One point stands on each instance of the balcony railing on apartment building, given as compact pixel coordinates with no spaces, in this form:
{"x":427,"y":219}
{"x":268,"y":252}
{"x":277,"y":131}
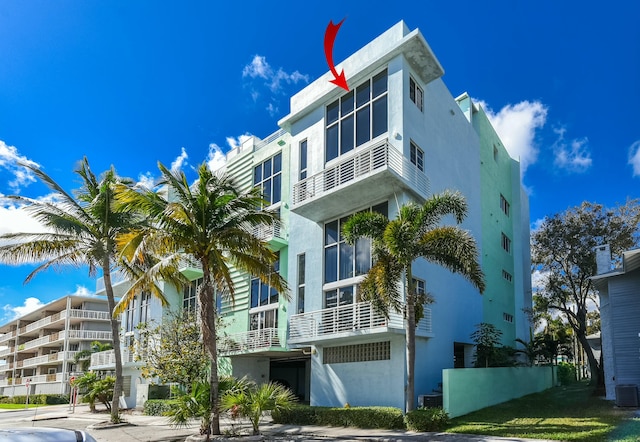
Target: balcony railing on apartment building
{"x":47,"y":359}
{"x":250,"y":341}
{"x":5,"y":337}
{"x":71,"y":334}
{"x":267,"y":233}
{"x":349,"y":320}
{"x":73,"y":313}
{"x":107,"y":359}
{"x":38,"y":379}
{"x":359,"y":164}
{"x":7,"y":351}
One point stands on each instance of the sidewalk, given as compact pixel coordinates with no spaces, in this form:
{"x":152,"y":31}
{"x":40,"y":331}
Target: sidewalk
{"x":157,"y":428}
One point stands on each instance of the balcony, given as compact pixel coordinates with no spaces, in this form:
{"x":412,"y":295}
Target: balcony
{"x":87,"y":314}
{"x":252,"y":341}
{"x":274,"y":234}
{"x":47,"y":359}
{"x":93,"y":335}
{"x":106,"y":360}
{"x":190,"y":268}
{"x":72,"y":314}
{"x":7,"y":336}
{"x":358,"y":177}
{"x":39,"y":379}
{"x":347,"y":321}
{"x":7,"y":351}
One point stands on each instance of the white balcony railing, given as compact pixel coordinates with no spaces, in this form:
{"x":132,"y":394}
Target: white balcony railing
{"x":39,"y":379}
{"x":360,"y":163}
{"x":88,"y":314}
{"x":7,"y":351}
{"x":93,"y":335}
{"x":349,"y":319}
{"x":5,"y":337}
{"x":47,"y":359}
{"x":266,"y":233}
{"x":107,"y":358}
{"x":252,"y":340}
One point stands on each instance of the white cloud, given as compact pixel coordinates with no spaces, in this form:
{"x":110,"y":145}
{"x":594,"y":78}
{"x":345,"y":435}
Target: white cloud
{"x":274,"y":78}
{"x":10,"y":160}
{"x":180,"y":160}
{"x":272,"y":109}
{"x":146,"y":180}
{"x":235,"y":142}
{"x":573,"y":156}
{"x":516,"y":126}
{"x":539,"y":279}
{"x":634,"y":158}
{"x":82,"y":291}
{"x":14,"y":219}
{"x":537,"y":224}
{"x":30,"y":304}
{"x":216,"y":159}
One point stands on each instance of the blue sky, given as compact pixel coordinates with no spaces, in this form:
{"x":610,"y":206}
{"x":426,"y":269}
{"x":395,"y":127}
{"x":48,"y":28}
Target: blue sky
{"x":130,"y":83}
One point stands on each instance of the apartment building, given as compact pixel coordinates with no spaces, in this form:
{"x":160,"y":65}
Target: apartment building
{"x":37,"y":350}
{"x":397,"y":136}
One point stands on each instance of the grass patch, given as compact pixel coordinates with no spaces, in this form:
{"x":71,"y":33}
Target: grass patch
{"x":17,"y":406}
{"x":569,"y":413}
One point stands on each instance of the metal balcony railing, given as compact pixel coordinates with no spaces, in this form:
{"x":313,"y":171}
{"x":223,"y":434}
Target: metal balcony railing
{"x":87,"y":314}
{"x":349,"y":319}
{"x":5,"y":337}
{"x":266,"y":233}
{"x":357,"y":164}
{"x":253,"y":340}
{"x":47,"y":359}
{"x":107,"y":358}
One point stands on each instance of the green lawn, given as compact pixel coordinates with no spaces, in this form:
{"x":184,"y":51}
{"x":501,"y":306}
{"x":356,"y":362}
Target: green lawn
{"x":569,"y":413}
{"x":17,"y":406}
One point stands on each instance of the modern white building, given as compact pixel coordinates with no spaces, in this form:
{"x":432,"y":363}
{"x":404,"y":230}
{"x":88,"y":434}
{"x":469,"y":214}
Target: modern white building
{"x":398,"y":135}
{"x":37,"y":350}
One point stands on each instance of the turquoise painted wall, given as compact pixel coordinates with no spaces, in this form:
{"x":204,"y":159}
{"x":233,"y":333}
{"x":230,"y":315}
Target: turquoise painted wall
{"x":469,"y":389}
{"x":496,"y":178}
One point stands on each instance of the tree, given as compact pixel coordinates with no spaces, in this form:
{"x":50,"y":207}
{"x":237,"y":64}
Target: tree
{"x":173,"y":350}
{"x":253,"y":400}
{"x":563,"y":250}
{"x":415,"y":233}
{"x":95,"y":389}
{"x":211,"y":223}
{"x":84,"y":356}
{"x":489,"y":349}
{"x":77,"y":231}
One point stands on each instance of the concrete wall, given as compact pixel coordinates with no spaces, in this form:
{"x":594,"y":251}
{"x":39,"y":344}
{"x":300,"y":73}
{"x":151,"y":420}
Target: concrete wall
{"x":469,"y":389}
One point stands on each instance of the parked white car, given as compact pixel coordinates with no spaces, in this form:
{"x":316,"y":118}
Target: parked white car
{"x":42,"y":434}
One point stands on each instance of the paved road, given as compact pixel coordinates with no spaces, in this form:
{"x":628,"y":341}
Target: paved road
{"x":156,"y":429}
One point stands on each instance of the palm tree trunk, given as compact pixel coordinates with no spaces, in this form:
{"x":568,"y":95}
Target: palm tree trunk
{"x":411,"y":342}
{"x":209,"y":338}
{"x":115,"y":333}
{"x":594,"y":368}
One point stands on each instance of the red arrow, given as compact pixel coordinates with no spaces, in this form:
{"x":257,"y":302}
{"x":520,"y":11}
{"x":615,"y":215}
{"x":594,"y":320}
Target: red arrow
{"x":329,"y":39}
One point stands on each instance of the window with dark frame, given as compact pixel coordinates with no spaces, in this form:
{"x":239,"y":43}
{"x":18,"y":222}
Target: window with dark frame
{"x":416,"y":93}
{"x":263,"y":294}
{"x":303,"y":159}
{"x":416,"y":155}
{"x":506,"y":243}
{"x":301,"y":282}
{"x":504,"y":205}
{"x":356,"y":117}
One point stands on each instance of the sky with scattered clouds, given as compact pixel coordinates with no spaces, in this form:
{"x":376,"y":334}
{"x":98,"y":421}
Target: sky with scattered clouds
{"x":137,"y":83}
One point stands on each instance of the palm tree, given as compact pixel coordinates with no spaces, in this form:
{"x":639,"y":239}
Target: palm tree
{"x":415,"y":233}
{"x":78,"y":230}
{"x":85,"y":355}
{"x":212,"y":223}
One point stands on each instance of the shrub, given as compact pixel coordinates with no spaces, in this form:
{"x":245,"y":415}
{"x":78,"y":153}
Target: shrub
{"x":359,"y":417}
{"x":37,"y":399}
{"x":159,"y":392}
{"x":159,"y":407}
{"x":426,"y":419}
{"x":566,"y":373}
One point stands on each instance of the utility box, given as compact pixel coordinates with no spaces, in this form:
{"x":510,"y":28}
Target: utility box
{"x":627,"y":395}
{"x":430,"y":400}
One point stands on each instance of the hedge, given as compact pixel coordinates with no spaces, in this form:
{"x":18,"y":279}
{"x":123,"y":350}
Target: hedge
{"x":359,"y":417}
{"x":426,"y":419}
{"x":37,"y":399}
{"x":158,"y":407}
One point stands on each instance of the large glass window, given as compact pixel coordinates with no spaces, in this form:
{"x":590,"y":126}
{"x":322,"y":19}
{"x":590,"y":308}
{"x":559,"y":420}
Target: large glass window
{"x":145,"y":304}
{"x":301,"y":282}
{"x":263,"y":294}
{"x":263,"y":319}
{"x":356,"y":117}
{"x":267,"y":176}
{"x":303,"y":159}
{"x":190,"y":295}
{"x":344,"y":261}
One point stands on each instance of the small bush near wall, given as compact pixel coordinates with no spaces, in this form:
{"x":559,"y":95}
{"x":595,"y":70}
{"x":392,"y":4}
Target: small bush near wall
{"x":359,"y":417}
{"x":566,"y":373}
{"x":426,"y":419}
{"x":37,"y":399}
{"x":158,"y":407}
{"x":159,"y":392}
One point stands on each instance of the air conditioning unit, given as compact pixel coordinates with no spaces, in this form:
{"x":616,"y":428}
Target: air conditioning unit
{"x":627,"y":395}
{"x":430,"y":400}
